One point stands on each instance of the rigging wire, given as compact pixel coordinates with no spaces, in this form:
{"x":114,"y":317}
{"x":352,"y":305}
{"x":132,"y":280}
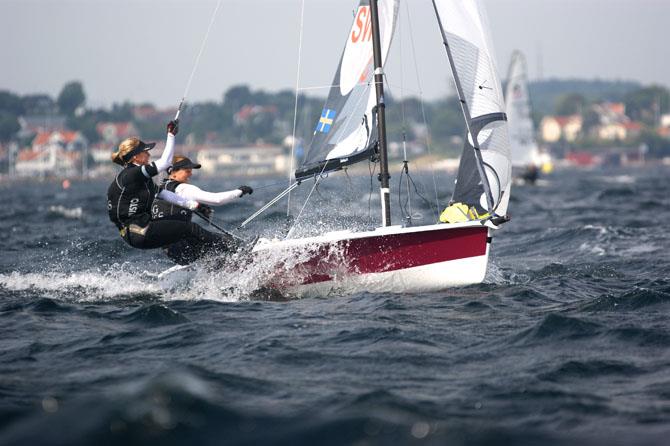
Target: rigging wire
{"x":295,"y":107}
{"x":297,"y":219}
{"x":266,"y":186}
{"x":405,"y":209}
{"x":423,"y":109}
{"x":197,"y":59}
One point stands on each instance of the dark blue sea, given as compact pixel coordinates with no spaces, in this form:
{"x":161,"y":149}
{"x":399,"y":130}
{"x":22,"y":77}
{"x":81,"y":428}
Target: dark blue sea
{"x":567,"y":341}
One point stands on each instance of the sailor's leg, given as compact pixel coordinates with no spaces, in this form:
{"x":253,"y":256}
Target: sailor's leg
{"x":190,"y":240}
{"x":165,"y":232}
{"x":218,"y":239}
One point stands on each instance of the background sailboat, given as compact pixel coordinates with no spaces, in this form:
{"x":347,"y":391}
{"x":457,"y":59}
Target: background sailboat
{"x":527,"y":159}
{"x":351,"y":129}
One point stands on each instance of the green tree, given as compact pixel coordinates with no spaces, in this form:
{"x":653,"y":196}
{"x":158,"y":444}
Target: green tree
{"x":591,"y":119}
{"x":11,"y":103}
{"x":570,"y":104}
{"x":236,"y":97}
{"x":71,"y":97}
{"x":647,"y":104}
{"x":9,"y":125}
{"x":38,"y":104}
{"x":86,"y":124}
{"x":658,"y":146}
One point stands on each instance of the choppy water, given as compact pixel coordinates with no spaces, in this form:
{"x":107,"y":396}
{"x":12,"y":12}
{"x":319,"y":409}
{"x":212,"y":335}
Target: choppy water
{"x":567,"y":341}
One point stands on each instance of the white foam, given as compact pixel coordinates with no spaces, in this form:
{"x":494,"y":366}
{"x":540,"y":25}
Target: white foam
{"x":592,"y":249}
{"x":602,"y":230}
{"x":620,"y":179}
{"x":82,"y":285}
{"x":73,"y":213}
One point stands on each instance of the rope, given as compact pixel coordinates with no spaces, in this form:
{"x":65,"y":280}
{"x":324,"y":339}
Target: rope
{"x":406,"y":207}
{"x":197,"y":59}
{"x":423,"y":109}
{"x":295,"y":107}
{"x":297,"y":219}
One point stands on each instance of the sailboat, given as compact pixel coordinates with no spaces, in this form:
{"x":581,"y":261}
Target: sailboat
{"x":527,"y":160}
{"x":352,"y":128}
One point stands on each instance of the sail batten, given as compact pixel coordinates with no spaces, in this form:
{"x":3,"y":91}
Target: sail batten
{"x":345,"y":132}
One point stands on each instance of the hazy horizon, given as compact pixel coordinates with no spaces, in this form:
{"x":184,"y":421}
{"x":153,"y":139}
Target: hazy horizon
{"x":143,"y":51}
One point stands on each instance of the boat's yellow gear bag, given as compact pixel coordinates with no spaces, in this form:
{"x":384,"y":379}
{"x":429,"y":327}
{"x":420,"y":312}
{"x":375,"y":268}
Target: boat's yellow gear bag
{"x":459,"y":212}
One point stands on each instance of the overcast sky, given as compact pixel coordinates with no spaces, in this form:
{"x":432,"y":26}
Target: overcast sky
{"x":144,"y":50}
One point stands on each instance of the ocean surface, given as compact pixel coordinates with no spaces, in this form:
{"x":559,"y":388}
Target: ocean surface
{"x":566,"y":342}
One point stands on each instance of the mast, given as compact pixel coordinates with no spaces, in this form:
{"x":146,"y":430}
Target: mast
{"x":381,"y":116}
{"x":468,"y":117}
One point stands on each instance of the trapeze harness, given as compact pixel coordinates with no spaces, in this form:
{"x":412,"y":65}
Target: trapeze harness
{"x":163,"y":209}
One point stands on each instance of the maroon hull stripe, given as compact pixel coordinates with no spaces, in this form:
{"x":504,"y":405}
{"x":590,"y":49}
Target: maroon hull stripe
{"x":383,"y":253}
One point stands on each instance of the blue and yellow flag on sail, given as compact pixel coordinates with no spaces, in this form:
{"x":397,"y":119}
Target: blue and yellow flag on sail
{"x":326,"y":121}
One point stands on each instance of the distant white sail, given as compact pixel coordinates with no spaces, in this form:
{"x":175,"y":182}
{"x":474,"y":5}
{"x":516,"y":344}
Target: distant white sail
{"x":521,"y":130}
{"x":465,"y":28}
{"x":345,"y":131}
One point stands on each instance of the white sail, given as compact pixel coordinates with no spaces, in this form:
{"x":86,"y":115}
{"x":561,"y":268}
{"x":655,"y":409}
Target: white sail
{"x":521,"y":130}
{"x":465,"y":28}
{"x":345,"y":130}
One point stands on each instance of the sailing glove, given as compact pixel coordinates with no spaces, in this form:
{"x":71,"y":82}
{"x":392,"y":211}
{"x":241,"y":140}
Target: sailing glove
{"x":173,"y":127}
{"x":205,"y":210}
{"x":246,"y":190}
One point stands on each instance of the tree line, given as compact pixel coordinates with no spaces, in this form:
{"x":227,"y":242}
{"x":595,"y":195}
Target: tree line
{"x":243,"y":115}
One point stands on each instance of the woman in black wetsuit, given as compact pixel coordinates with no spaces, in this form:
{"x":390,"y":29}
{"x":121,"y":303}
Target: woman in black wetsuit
{"x":131,"y":194}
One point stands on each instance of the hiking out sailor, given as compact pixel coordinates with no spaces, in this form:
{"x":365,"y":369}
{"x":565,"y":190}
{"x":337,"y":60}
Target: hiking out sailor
{"x":131,"y":194}
{"x":186,"y":251}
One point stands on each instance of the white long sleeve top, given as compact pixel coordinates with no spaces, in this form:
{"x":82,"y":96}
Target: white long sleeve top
{"x":165,"y":160}
{"x":191,"y":192}
{"x":177,"y":199}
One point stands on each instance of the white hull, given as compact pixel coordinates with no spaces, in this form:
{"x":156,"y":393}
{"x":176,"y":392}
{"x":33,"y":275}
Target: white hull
{"x":336,"y":263}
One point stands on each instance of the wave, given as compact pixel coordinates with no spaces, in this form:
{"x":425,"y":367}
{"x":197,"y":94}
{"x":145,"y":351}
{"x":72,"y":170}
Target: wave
{"x":618,"y":192}
{"x":191,"y":407}
{"x":640,"y":297}
{"x":590,"y":369}
{"x":557,"y":327}
{"x":156,"y":315}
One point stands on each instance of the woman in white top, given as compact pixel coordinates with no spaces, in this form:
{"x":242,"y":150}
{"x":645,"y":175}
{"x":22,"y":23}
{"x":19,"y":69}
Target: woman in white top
{"x":180,"y":173}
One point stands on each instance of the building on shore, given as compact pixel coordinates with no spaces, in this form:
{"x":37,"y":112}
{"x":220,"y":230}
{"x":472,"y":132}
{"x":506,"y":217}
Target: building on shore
{"x":557,"y":128}
{"x":244,"y":161}
{"x":57,"y":153}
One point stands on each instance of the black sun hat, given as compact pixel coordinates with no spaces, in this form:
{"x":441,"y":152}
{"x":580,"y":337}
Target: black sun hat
{"x":185,"y":163}
{"x":141,"y":147}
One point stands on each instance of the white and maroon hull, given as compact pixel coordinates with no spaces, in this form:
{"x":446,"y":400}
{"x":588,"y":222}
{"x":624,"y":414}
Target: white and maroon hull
{"x":393,"y":259}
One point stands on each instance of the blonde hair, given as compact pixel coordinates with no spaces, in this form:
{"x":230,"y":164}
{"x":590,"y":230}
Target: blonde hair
{"x":175,"y":160}
{"x":125,"y":147}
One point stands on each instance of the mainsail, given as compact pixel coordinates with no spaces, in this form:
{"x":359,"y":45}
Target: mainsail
{"x":521,"y":132}
{"x":465,"y":32}
{"x":346,"y":132}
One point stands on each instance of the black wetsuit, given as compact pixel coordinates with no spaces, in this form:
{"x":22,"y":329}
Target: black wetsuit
{"x":162,"y":209}
{"x":187,"y":250}
{"x":129,"y":201}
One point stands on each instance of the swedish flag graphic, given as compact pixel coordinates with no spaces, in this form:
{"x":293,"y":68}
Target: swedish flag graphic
{"x":326,"y":121}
